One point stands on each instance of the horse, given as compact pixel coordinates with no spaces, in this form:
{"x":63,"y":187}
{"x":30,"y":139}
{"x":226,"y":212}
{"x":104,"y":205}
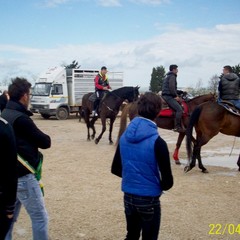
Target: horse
{"x":108,"y":108}
{"x":167,"y":121}
{"x":209,"y":119}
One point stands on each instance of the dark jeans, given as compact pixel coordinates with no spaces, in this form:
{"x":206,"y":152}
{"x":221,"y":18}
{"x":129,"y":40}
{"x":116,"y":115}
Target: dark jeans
{"x":172,"y":103}
{"x":143,"y":214}
{"x":99,"y":96}
{"x":5,"y":223}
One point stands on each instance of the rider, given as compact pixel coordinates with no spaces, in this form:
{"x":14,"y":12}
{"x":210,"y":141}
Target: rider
{"x":170,"y":95}
{"x":101,"y":87}
{"x":229,"y":86}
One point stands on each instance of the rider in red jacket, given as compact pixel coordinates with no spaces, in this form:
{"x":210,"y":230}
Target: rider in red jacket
{"x":101,"y":87}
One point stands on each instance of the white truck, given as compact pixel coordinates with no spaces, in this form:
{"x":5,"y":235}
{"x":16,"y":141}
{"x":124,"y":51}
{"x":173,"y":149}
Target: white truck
{"x":59,"y":91}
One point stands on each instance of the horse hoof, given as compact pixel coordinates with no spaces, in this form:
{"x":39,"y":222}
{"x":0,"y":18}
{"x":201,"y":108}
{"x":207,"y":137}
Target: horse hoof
{"x":88,"y":139}
{"x":205,"y":171}
{"x":92,"y":137}
{"x":177,"y":162}
{"x":110,"y":142}
{"x":96,"y":141}
{"x":187,"y":169}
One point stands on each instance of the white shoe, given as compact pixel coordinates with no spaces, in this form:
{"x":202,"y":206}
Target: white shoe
{"x":94,"y":114}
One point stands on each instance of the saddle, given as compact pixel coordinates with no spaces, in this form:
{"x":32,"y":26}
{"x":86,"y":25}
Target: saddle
{"x":230,"y":107}
{"x":166,"y":111}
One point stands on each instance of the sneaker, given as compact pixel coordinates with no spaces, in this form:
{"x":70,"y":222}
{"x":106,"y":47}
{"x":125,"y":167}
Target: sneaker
{"x":94,"y":114}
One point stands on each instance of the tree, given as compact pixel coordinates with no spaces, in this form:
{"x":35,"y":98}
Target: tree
{"x":236,"y":69}
{"x":199,"y":89}
{"x":157,"y":78}
{"x":213,"y":83}
{"x":74,"y":64}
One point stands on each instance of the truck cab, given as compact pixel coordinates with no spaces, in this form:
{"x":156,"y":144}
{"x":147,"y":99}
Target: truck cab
{"x":49,"y":94}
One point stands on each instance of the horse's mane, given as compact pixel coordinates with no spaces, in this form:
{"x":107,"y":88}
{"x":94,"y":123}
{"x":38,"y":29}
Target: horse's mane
{"x":201,"y":96}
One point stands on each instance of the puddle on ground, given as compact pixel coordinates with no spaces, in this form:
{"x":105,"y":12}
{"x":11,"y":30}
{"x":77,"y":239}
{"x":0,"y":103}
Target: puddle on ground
{"x":219,"y":161}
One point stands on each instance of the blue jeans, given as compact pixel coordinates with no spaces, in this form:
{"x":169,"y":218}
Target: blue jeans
{"x":143,"y":214}
{"x":30,"y":196}
{"x":236,"y":102}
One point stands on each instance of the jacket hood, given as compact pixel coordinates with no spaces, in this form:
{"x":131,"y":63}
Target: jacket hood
{"x":18,"y":106}
{"x":171,"y":73}
{"x":231,"y":76}
{"x":140,"y":129}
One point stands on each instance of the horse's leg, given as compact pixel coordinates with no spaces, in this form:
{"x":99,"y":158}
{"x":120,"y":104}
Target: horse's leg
{"x":238,"y":163}
{"x":110,"y":130}
{"x":192,"y":162}
{"x":86,"y":118}
{"x":200,"y":165}
{"x":103,"y":130}
{"x":92,"y":126}
{"x":178,"y":145}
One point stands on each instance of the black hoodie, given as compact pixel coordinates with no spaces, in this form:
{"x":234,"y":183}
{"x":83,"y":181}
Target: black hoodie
{"x":229,"y":87}
{"x":28,"y":137}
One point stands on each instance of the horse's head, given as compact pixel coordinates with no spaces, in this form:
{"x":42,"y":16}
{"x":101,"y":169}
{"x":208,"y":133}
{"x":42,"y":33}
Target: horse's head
{"x":133,"y":94}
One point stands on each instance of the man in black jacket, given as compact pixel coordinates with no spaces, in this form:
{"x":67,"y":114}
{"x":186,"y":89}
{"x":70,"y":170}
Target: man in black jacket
{"x":8,"y":176}
{"x":169,"y":93}
{"x":29,"y":138}
{"x":229,"y":86}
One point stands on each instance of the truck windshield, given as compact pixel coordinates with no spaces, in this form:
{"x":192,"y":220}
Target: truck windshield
{"x":41,"y":89}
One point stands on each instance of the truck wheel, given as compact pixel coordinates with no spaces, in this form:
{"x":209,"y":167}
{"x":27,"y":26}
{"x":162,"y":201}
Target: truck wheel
{"x":62,"y":113}
{"x":45,"y":116}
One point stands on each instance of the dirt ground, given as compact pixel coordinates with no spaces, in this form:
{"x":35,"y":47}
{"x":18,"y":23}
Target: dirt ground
{"x":84,"y":200}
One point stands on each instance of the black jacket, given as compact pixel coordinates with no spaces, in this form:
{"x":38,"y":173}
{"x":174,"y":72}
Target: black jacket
{"x":229,"y":87}
{"x":8,"y":164}
{"x":170,"y":85}
{"x":28,"y":137}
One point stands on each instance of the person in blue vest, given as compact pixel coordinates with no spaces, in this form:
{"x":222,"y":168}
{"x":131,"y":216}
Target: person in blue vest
{"x":142,"y":160}
{"x":8,"y":176}
{"x":229,"y":87}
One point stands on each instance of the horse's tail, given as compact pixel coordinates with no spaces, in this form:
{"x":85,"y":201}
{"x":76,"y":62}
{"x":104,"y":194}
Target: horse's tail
{"x":193,"y":120}
{"x":123,"y":121}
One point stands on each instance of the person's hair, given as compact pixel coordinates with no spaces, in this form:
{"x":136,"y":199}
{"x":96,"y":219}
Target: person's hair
{"x":173,"y":66}
{"x":103,"y":68}
{"x":228,"y":68}
{"x":149,"y":105}
{"x":18,"y":88}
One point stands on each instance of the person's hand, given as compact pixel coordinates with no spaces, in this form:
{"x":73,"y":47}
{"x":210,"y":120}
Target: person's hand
{"x":9,"y":216}
{"x":178,"y":99}
{"x":105,"y":88}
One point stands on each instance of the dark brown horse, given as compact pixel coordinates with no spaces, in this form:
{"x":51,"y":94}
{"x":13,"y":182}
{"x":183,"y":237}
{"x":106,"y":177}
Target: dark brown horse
{"x":108,"y":108}
{"x":166,"y":122}
{"x":209,"y":119}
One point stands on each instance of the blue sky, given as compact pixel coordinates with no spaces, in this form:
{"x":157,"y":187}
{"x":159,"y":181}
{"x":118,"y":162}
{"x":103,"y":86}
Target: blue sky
{"x":132,"y":36}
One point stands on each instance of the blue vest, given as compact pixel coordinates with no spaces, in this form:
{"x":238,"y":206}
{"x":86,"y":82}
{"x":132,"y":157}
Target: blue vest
{"x":140,"y":172}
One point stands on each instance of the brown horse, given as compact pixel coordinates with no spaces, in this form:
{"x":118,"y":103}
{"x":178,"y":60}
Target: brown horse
{"x":209,"y":119}
{"x":166,"y":122}
{"x":108,"y":108}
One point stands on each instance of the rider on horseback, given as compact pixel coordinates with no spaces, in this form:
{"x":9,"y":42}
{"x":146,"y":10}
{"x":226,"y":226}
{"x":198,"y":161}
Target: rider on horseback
{"x":101,"y":87}
{"x":170,"y":95}
{"x":229,"y":87}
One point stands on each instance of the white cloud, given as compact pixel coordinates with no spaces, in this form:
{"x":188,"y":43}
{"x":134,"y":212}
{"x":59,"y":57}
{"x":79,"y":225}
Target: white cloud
{"x":109,"y":3}
{"x":151,"y":2}
{"x":54,"y":3}
{"x":199,"y":53}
